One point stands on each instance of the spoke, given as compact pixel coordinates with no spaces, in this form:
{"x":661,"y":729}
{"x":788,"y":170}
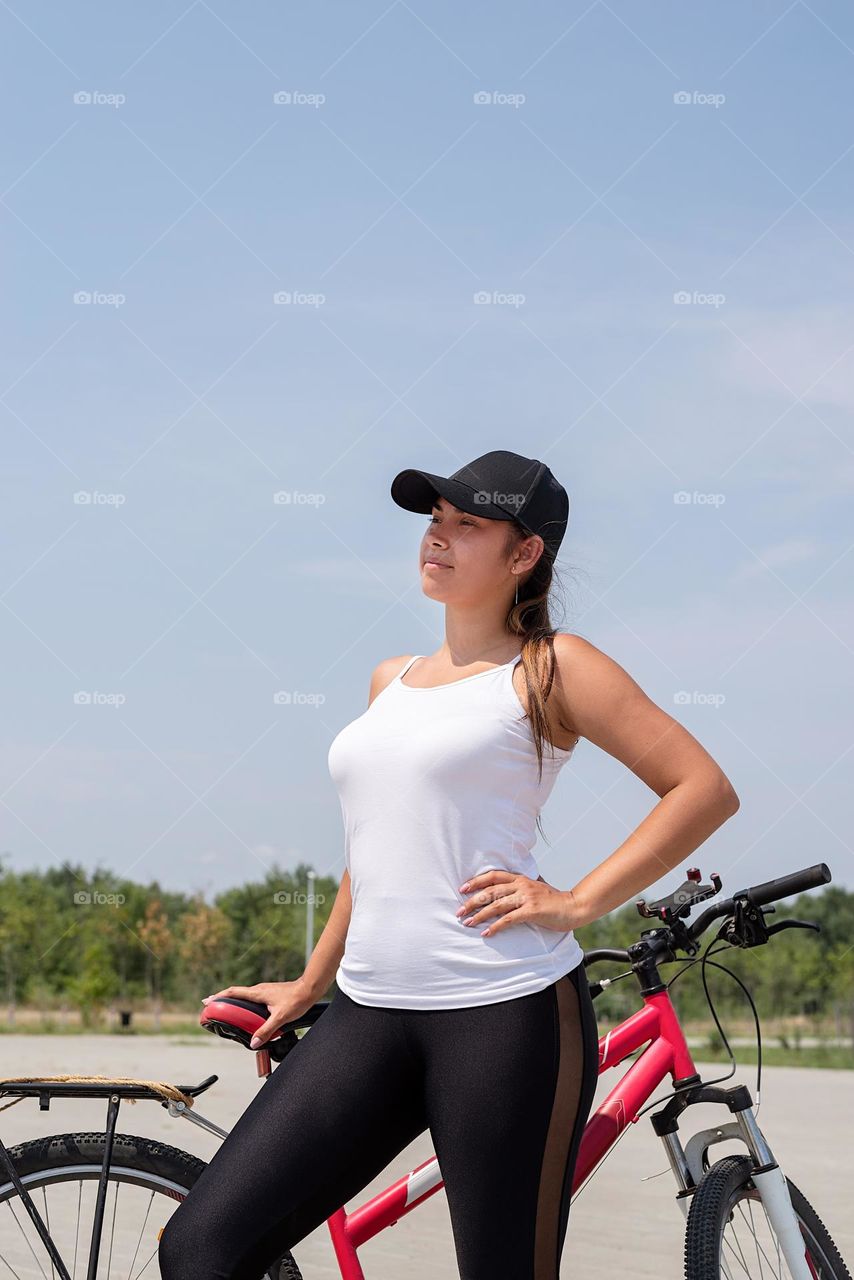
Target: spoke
{"x":7,"y":1263}
{"x":133,"y":1250}
{"x":27,"y":1241}
{"x":47,"y":1223}
{"x":145,"y":1268}
{"x":773,"y":1233}
{"x":77,"y":1229}
{"x":113,"y":1231}
{"x":755,"y":1239}
{"x":752,"y":1229}
{"x":725,"y":1271}
{"x":740,"y":1259}
{"x":738,"y":1242}
{"x":139,"y":1240}
{"x":750,"y":1201}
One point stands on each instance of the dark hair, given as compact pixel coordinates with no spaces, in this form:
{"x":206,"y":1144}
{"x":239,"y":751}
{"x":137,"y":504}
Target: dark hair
{"x":531,"y":619}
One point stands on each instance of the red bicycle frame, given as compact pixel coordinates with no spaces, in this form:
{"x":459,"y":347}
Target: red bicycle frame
{"x":666,"y":1053}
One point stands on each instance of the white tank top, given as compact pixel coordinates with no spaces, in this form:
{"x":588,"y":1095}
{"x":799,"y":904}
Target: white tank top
{"x":437,"y":785}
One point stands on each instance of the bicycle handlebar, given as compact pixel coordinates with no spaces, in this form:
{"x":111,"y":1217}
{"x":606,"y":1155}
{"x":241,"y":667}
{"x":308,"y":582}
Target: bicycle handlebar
{"x":759,"y":895}
{"x":786,"y":886}
{"x":605,"y":953}
{"x":762,"y":894}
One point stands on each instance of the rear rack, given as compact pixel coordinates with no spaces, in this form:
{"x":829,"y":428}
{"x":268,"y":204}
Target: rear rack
{"x":45,"y":1088}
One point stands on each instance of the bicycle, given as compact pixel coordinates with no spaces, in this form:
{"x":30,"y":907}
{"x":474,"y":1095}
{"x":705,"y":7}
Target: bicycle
{"x":717,"y":1199}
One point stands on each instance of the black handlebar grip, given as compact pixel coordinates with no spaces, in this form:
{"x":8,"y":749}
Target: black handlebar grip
{"x":785,"y":886}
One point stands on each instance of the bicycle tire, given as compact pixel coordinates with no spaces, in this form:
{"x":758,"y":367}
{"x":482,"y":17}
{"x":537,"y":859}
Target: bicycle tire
{"x":143,"y":1161}
{"x":726,"y":1184}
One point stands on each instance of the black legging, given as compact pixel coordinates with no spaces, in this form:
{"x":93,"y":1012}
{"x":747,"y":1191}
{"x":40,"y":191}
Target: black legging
{"x":505,"y":1090}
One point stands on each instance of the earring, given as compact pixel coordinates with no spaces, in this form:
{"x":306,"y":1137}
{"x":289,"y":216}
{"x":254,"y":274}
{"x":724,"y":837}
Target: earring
{"x":517,"y":589}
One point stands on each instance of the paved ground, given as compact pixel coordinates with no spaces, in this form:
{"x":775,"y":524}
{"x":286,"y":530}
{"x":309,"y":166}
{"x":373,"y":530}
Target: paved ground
{"x":625,"y":1221}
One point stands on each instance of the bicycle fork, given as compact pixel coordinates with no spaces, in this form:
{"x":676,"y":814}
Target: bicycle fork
{"x":689,"y":1163}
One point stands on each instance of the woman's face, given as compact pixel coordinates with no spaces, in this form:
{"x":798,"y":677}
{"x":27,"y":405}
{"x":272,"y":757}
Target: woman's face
{"x":464,"y":558}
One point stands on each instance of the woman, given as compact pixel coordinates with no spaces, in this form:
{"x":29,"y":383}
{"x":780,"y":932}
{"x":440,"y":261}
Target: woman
{"x":462,"y":1003}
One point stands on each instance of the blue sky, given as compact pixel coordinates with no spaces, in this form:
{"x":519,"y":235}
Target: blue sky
{"x":243,"y":257}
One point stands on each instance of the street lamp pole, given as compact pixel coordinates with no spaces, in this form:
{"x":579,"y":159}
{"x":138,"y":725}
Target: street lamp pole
{"x":309,"y":917}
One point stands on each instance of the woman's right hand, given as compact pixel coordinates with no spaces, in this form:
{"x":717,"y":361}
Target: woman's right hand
{"x":285,"y":1001}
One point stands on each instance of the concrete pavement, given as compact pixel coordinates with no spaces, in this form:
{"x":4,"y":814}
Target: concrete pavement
{"x":624,"y":1222}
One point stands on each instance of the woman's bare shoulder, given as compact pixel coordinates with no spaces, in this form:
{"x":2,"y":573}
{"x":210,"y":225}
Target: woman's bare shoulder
{"x":384,"y":672}
{"x":606,"y":705}
{"x":584,"y":675}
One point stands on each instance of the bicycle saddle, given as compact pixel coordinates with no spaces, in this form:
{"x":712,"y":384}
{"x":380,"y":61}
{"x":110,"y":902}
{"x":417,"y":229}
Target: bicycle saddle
{"x":238,"y":1020}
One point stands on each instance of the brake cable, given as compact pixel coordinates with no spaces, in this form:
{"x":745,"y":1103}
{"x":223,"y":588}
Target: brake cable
{"x":703,"y":961}
{"x":746,"y":928}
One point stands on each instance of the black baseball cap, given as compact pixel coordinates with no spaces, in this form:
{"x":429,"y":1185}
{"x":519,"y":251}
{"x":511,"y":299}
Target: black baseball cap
{"x":500,"y":486}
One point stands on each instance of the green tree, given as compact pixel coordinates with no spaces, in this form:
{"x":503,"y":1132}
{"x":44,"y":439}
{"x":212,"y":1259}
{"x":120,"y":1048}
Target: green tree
{"x":156,"y":936}
{"x":206,"y":934}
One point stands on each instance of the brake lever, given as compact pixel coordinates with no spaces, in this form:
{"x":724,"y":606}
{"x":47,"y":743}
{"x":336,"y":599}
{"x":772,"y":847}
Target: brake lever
{"x":747,"y":927}
{"x":793,"y":924}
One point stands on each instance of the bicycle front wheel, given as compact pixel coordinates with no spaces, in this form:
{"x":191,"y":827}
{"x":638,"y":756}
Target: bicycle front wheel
{"x":729,"y":1236}
{"x":147,"y":1179}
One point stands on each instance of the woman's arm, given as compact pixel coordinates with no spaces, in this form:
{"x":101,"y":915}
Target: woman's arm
{"x":601,"y":702}
{"x":325,"y":958}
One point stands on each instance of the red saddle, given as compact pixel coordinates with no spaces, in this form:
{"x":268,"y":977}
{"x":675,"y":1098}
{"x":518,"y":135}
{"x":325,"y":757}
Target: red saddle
{"x":238,"y":1020}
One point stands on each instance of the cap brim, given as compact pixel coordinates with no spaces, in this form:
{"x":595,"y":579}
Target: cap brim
{"x":417,"y":490}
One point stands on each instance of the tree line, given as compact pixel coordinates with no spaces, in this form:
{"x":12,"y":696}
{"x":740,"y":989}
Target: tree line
{"x":92,"y":940}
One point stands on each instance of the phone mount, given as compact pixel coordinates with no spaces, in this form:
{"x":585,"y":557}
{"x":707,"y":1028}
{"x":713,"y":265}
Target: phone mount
{"x":678,"y":905}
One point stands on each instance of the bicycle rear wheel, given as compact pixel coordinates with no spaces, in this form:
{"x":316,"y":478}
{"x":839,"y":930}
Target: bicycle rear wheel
{"x":729,"y":1236}
{"x":147,"y":1180}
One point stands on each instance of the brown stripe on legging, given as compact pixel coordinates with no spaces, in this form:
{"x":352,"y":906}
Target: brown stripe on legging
{"x":559,"y":1137}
